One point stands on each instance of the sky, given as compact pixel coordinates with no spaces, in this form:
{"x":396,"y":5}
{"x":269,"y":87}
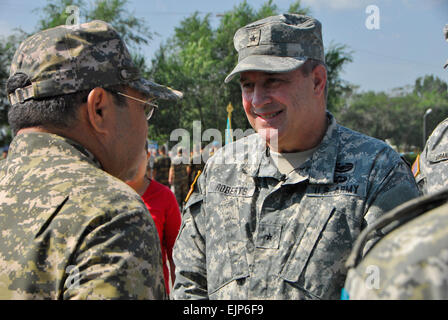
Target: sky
{"x":393,"y":42}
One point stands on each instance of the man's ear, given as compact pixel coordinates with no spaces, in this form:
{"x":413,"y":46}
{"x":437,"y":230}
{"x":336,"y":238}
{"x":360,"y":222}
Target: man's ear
{"x":320,"y":79}
{"x":99,"y":105}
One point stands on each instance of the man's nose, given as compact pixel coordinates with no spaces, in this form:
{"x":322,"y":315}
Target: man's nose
{"x":260,"y":97}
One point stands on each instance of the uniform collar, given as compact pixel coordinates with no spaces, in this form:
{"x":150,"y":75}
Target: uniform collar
{"x":41,"y":143}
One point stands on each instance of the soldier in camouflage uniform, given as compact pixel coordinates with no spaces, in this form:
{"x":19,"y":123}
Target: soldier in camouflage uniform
{"x":275,"y":214}
{"x":161,"y":169}
{"x":431,"y":167}
{"x":71,"y":228}
{"x":196,"y":164}
{"x":178,"y":176}
{"x":411,"y":261}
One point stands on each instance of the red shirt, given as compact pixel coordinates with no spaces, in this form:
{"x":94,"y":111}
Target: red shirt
{"x":164,"y":210}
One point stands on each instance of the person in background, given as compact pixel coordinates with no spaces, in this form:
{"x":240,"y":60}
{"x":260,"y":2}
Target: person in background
{"x":162,"y":206}
{"x":161,"y":168}
{"x":178,"y":176}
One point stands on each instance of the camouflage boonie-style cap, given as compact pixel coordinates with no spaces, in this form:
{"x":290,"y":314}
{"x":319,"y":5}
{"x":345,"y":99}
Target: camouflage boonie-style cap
{"x":445,"y":32}
{"x":71,"y":58}
{"x":278,"y":44}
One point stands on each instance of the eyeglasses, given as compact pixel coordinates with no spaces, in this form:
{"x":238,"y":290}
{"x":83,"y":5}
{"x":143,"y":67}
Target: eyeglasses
{"x":149,"y":106}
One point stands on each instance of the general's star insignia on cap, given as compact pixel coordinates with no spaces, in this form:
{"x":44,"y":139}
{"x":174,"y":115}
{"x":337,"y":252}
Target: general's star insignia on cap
{"x":254,"y":38}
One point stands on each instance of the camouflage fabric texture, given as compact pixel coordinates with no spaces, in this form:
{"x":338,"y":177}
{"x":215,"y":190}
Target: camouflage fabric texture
{"x":249,"y":232}
{"x":278,"y":44}
{"x":411,"y":261}
{"x":162,"y":166}
{"x":70,"y":230}
{"x":433,"y":161}
{"x":68,"y":59}
{"x":180,"y":179}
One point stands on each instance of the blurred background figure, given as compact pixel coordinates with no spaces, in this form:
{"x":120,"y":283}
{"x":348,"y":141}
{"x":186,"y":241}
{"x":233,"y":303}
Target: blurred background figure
{"x":161,"y":167}
{"x":178,"y":176}
{"x":162,"y":206}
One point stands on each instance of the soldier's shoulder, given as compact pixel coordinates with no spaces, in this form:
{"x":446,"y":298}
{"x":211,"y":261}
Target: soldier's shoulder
{"x":411,"y":231}
{"x":409,"y":261}
{"x":351,"y":139}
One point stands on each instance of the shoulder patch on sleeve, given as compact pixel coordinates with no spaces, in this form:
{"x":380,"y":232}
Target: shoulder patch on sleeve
{"x":416,"y":166}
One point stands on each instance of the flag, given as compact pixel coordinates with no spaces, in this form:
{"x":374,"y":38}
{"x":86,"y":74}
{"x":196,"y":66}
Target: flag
{"x":229,"y":133}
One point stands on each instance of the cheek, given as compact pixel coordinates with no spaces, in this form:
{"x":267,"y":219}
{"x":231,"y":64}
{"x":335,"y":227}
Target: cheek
{"x":247,"y":106}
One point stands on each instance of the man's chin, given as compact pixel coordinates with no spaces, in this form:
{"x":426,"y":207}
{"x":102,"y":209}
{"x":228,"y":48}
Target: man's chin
{"x":270,"y":135}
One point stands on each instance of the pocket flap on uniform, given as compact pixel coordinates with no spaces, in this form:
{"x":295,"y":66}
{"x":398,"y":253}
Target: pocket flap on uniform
{"x":304,"y":245}
{"x":438,"y":157}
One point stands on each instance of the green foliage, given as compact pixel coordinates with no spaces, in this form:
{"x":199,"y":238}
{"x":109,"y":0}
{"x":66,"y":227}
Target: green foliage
{"x":398,"y":118}
{"x":133,"y":30}
{"x":336,"y":57}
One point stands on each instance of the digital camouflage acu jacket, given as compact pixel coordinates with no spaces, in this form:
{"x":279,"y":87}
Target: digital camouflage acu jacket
{"x":411,"y":260}
{"x":249,"y":232}
{"x":70,"y":230}
{"x":432,"y":172}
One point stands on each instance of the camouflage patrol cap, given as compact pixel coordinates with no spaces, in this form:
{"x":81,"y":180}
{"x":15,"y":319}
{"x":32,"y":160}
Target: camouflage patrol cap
{"x":278,"y":44}
{"x":71,"y":58}
{"x":445,"y":31}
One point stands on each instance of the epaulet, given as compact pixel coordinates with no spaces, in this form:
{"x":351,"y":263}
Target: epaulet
{"x":394,"y":219}
{"x":192,"y":186}
{"x":416,"y":166}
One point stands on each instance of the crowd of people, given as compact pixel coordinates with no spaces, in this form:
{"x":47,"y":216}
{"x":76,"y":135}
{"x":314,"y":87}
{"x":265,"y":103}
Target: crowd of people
{"x":301,"y":211}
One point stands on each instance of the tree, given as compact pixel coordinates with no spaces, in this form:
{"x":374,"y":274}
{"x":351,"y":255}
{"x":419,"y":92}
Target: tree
{"x":336,"y":57}
{"x":398,"y":118}
{"x":133,"y":30}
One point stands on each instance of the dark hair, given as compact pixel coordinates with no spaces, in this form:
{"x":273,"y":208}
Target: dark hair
{"x":58,"y":111}
{"x":309,"y":66}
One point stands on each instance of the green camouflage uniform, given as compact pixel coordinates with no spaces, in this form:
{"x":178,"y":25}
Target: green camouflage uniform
{"x":411,"y":261}
{"x":432,"y":175}
{"x":162,"y":164}
{"x":249,"y":232}
{"x":69,"y":229}
{"x":60,"y":214}
{"x":180,"y":179}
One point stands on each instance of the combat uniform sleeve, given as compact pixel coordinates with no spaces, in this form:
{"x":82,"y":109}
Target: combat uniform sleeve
{"x":392,"y":184}
{"x":189,"y":252}
{"x":118,"y":258}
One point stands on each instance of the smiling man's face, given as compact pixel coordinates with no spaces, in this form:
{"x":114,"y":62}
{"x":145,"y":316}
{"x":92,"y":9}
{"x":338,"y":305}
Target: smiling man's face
{"x":284,"y":106}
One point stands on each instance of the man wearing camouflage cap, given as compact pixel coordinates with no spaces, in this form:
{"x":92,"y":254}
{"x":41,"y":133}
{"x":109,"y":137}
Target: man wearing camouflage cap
{"x":431,"y":167}
{"x":71,"y":229}
{"x":411,"y":260}
{"x":275,"y":214}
